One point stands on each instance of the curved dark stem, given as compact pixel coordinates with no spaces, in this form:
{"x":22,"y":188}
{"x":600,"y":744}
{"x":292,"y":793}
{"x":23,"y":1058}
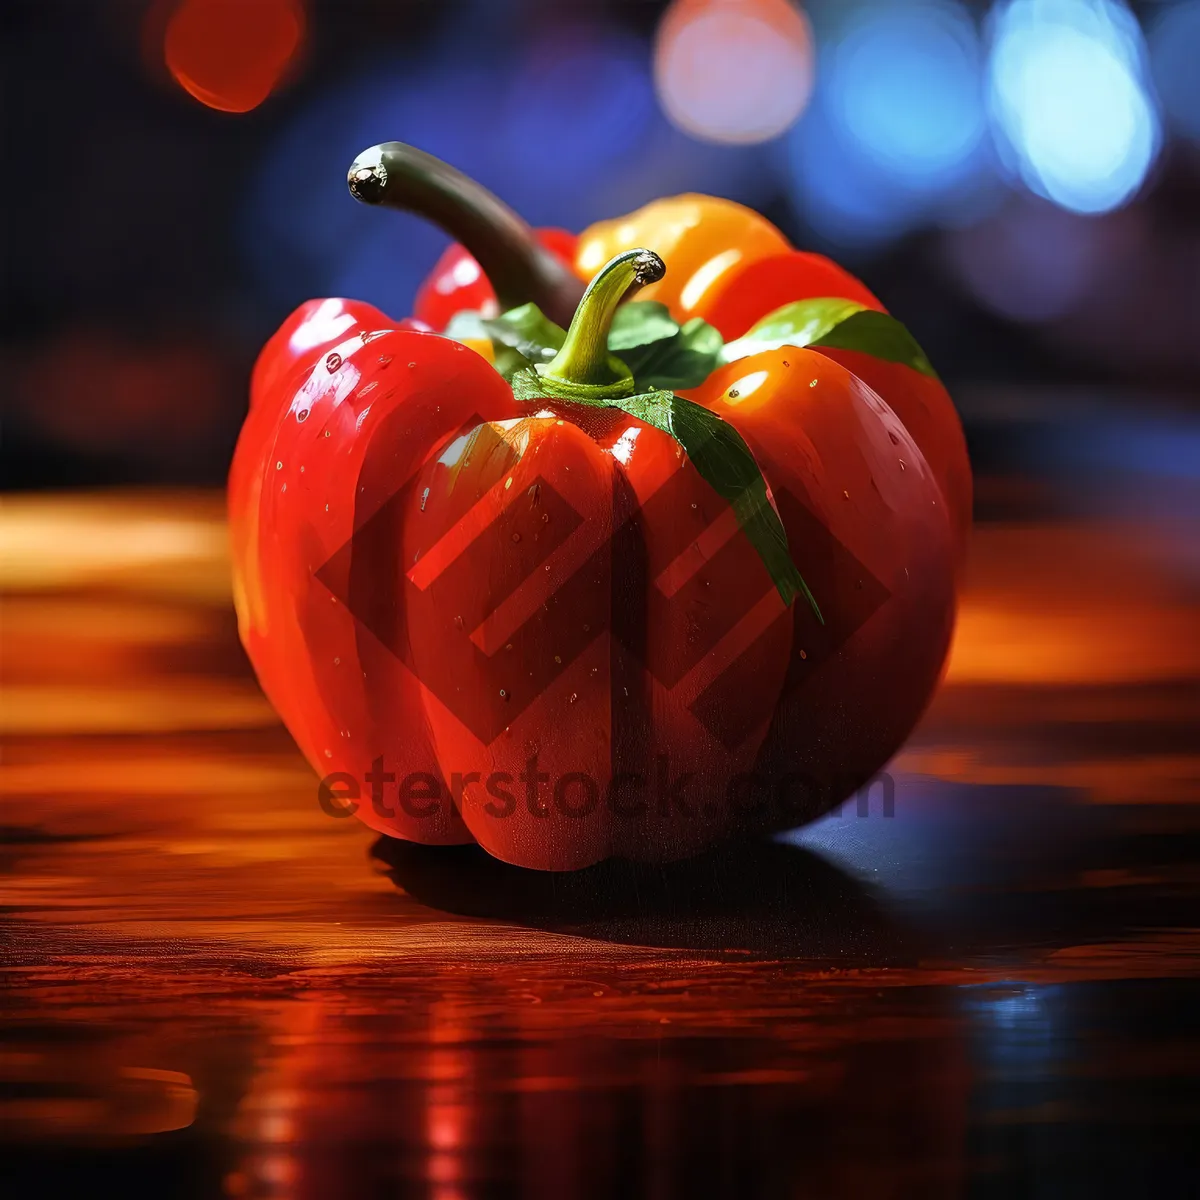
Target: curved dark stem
{"x":520,"y":269}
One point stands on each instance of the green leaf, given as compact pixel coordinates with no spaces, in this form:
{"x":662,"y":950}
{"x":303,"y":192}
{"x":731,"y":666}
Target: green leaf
{"x":527,"y":386}
{"x":835,"y":323}
{"x":797,"y":324}
{"x":724,"y":461}
{"x":880,"y":335}
{"x":638,"y":323}
{"x":528,"y":331}
{"x":508,"y":361}
{"x":660,"y":354}
{"x":519,"y":337}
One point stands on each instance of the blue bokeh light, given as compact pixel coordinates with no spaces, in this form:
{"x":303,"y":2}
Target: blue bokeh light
{"x":897,"y":131}
{"x":905,"y":87}
{"x":1067,"y":91}
{"x":1175,"y":58}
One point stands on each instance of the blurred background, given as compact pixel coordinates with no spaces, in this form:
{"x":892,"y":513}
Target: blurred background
{"x":211,"y":993}
{"x":1018,"y":180}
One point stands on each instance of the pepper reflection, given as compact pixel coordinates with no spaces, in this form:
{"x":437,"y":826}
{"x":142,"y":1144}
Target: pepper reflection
{"x":568,"y":1076}
{"x":573,"y":1088}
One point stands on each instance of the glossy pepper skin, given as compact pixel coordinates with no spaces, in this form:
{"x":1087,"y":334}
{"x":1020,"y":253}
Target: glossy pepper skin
{"x":336,"y":408}
{"x":731,"y":266}
{"x":373,"y":450}
{"x":824,"y":437}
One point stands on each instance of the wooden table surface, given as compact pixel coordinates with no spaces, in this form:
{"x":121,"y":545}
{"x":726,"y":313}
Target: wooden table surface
{"x":213,"y":988}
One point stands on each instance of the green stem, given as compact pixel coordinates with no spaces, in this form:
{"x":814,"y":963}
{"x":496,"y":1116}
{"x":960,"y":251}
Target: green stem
{"x":518,"y":266}
{"x":584,"y":369}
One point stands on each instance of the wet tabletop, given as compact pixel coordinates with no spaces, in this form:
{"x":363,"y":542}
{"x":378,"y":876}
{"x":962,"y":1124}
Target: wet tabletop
{"x":213,"y":988}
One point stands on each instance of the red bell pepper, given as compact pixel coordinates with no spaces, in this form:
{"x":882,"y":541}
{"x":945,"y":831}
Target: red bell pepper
{"x":623,"y":588}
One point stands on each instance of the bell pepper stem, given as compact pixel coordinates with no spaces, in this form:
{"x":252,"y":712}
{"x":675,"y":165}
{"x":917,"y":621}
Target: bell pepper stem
{"x":519,"y":267}
{"x":584,"y":369}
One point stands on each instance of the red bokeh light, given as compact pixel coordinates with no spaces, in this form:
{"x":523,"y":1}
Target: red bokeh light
{"x":230,"y":54}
